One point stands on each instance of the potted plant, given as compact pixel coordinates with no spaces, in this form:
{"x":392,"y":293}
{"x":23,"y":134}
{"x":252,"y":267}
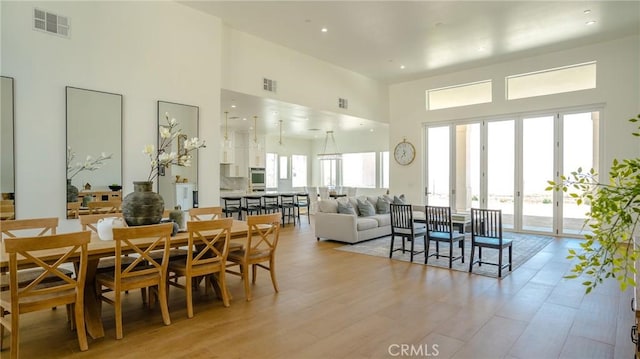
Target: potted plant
{"x":614,"y":220}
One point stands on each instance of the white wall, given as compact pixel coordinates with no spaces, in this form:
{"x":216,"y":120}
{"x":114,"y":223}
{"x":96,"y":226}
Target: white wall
{"x":301,"y":79}
{"x":147,"y":51}
{"x":618,"y":81}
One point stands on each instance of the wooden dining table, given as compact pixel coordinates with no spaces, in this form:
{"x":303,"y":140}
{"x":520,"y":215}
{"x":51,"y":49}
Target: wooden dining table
{"x":100,"y":249}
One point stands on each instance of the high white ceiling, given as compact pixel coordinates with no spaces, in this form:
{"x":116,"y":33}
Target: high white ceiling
{"x":376,"y":38}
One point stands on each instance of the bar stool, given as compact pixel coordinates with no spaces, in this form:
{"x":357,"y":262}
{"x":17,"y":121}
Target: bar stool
{"x":232,"y":205}
{"x":302,"y":201}
{"x":270,"y":203}
{"x":252,"y":204}
{"x":288,"y":208}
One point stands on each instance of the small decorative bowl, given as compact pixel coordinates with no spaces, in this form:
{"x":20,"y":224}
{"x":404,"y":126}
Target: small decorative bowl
{"x":115,"y":187}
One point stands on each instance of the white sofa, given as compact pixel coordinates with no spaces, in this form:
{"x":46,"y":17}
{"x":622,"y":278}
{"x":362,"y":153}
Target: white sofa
{"x":350,"y":228}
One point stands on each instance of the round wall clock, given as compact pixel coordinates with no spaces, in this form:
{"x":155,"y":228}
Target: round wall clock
{"x":404,"y":152}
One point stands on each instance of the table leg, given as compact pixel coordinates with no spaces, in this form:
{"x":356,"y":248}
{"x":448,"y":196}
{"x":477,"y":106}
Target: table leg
{"x":92,"y":307}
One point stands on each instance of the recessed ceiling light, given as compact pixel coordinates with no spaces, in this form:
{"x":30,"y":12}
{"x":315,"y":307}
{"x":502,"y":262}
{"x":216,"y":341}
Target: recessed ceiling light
{"x":588,"y":11}
{"x":233,"y":106}
{"x":244,"y":119}
{"x":402,"y":67}
{"x":589,"y":23}
{"x":324,"y":29}
{"x":371,"y":130}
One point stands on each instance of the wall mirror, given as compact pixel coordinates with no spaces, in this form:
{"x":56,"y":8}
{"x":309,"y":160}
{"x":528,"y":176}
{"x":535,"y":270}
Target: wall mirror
{"x":94,"y":128}
{"x":7,"y":158}
{"x":178,"y":185}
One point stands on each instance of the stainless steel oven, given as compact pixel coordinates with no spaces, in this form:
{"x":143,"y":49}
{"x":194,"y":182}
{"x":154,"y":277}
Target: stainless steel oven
{"x":257,"y":179}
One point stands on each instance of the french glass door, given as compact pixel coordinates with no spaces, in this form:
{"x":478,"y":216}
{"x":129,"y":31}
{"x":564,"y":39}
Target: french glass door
{"x":506,"y":163}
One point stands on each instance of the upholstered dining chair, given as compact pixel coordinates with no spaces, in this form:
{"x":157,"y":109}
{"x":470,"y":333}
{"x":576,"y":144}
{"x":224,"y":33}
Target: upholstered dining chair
{"x":288,"y":208}
{"x":153,"y":275}
{"x":313,"y":199}
{"x":270,"y":203}
{"x":232,"y":205}
{"x":440,"y":229}
{"x":302,"y":200}
{"x":486,"y":232}
{"x":205,"y":213}
{"x":262,"y":241}
{"x":39,"y":293}
{"x":209,"y":260}
{"x":403,"y":226}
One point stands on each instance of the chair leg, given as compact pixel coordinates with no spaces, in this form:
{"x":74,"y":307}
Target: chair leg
{"x":118,"y":314}
{"x":164,"y":303}
{"x":1,"y":329}
{"x":391,"y":248}
{"x":473,"y":249}
{"x":413,"y":241}
{"x":245,"y":278}
{"x":461,"y":243}
{"x":450,"y":254}
{"x":80,"y":326}
{"x":220,"y":278}
{"x":272,"y":271}
{"x":479,"y":256}
{"x":426,"y":248}
{"x":254,"y":273}
{"x":499,"y":262}
{"x":15,"y":335}
{"x":426,"y":251}
{"x":189,"y":292}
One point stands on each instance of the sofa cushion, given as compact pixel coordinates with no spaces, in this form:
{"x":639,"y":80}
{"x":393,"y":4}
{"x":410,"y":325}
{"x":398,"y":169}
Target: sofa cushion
{"x":345,"y":207}
{"x":382,"y":205}
{"x":365,"y":208}
{"x":366,"y":223}
{"x":328,"y":206}
{"x":383,"y":219}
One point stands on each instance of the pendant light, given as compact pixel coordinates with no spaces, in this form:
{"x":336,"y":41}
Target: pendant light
{"x":226,"y":144}
{"x":256,"y":144}
{"x":330,"y":150}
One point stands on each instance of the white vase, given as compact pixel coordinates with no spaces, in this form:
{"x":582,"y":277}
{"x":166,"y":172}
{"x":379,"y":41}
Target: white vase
{"x":105,"y":226}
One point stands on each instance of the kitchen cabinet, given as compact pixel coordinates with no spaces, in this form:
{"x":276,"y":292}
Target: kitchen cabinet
{"x":243,"y":154}
{"x":239,"y":168}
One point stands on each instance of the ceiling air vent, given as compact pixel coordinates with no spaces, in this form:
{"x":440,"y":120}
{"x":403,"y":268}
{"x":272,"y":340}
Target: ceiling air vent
{"x":269,"y":85}
{"x":343,"y":103}
{"x":50,"y":22}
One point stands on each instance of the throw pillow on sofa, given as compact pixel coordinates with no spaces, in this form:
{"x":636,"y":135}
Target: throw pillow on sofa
{"x":345,"y":207}
{"x":365,"y":208}
{"x":382,"y":205}
{"x":399,"y":200}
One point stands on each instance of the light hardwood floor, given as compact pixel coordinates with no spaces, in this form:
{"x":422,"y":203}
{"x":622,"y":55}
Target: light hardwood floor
{"x":335,"y":304}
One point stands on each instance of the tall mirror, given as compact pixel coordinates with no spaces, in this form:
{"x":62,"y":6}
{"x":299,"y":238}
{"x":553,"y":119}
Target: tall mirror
{"x":94,"y":148}
{"x":178,"y":185}
{"x":7,"y":159}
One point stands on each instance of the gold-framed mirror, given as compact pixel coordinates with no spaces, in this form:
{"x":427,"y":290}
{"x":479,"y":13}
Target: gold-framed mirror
{"x":7,"y":156}
{"x":176,"y":184}
{"x":94,"y":138}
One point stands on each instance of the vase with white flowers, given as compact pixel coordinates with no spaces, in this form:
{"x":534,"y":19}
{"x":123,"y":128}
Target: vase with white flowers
{"x":143,"y":206}
{"x":90,"y":164}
